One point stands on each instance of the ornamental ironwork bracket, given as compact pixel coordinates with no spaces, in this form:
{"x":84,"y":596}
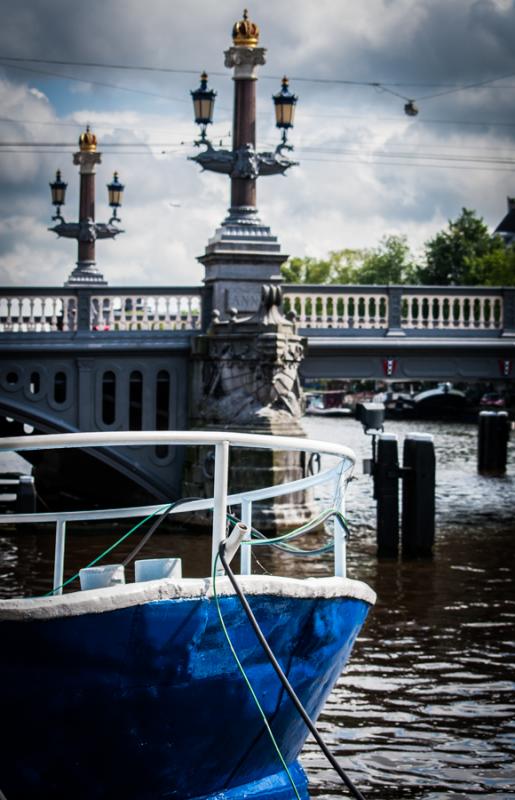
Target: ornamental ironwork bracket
{"x":244,"y":162}
{"x":87,"y":230}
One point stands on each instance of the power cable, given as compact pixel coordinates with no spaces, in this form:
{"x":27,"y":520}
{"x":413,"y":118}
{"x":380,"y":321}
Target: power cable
{"x":418,"y":121}
{"x":100,"y":125}
{"x":320,"y":150}
{"x":307,"y":79}
{"x":104,"y":84}
{"x":344,"y":160}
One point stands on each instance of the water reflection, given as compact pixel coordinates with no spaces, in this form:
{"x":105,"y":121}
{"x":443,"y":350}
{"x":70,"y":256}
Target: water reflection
{"x":426,"y":707}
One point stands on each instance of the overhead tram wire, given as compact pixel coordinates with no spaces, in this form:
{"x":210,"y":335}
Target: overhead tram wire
{"x":103,"y":84}
{"x":343,"y":160}
{"x":420,"y":155}
{"x":308,"y":79}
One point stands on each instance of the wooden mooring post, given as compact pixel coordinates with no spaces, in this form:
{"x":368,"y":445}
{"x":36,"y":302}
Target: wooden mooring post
{"x":493,"y":436}
{"x":386,"y":493}
{"x":418,"y":495}
{"x":418,"y":475}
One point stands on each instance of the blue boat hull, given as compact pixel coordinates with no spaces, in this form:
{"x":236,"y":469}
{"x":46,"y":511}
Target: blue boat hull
{"x":146,"y":702}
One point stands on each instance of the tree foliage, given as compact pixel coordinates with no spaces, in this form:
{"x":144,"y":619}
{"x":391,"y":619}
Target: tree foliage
{"x":390,"y":262}
{"x":464,"y":253}
{"x":459,"y":254}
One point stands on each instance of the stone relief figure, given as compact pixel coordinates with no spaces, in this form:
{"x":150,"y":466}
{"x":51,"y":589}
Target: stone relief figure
{"x":246,"y":162}
{"x":252,"y":366}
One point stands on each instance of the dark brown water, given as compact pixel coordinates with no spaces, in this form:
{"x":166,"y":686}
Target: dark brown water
{"x":426,"y":707}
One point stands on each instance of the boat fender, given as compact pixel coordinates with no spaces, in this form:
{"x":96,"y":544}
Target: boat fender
{"x":233,"y":541}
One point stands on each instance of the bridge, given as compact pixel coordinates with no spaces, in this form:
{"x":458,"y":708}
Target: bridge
{"x":121,"y":358}
{"x":406,"y":332}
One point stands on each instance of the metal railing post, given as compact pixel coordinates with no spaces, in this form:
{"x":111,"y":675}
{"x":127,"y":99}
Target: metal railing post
{"x":340,"y":540}
{"x":245,"y":550}
{"x":220,"y":500}
{"x":60,"y":537}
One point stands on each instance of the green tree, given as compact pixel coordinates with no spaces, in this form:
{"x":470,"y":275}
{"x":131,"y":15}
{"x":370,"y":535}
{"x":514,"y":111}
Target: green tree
{"x":496,"y":268}
{"x":306,"y":270}
{"x":390,"y":262}
{"x":346,"y":264}
{"x":453,"y":256}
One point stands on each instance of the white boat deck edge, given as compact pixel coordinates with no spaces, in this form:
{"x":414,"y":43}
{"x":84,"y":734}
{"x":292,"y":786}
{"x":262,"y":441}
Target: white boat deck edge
{"x":97,"y":601}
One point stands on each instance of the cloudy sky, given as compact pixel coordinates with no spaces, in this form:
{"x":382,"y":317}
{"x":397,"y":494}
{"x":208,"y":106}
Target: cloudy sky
{"x":367,"y":170}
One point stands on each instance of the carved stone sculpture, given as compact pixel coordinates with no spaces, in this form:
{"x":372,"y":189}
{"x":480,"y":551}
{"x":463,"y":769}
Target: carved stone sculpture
{"x":246,"y":374}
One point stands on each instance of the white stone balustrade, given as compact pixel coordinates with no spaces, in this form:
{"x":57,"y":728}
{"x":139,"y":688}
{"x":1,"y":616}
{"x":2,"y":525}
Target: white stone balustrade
{"x":433,"y":311}
{"x":348,"y":309}
{"x":145,"y":312}
{"x":381,"y":308}
{"x":37,"y":313}
{"x":423,"y":309}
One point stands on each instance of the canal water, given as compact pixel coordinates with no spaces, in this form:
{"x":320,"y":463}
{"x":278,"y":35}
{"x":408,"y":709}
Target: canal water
{"x":426,"y":707}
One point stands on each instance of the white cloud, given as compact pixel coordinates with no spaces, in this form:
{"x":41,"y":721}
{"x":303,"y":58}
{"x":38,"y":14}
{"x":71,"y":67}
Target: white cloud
{"x":342,"y":195}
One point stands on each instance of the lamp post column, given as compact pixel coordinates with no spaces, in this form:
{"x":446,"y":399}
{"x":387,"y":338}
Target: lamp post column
{"x":244,"y":56}
{"x":243,"y":190}
{"x":86,"y":272}
{"x":86,"y":230}
{"x":243,"y":254}
{"x":87,"y":159}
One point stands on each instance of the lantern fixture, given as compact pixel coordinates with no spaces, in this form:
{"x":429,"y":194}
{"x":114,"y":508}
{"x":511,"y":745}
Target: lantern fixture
{"x":284,"y":102}
{"x":115,"y":192}
{"x":58,"y":190}
{"x":410,"y":109}
{"x":203,"y":105}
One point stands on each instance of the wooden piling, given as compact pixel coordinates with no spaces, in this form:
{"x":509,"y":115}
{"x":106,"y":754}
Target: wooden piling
{"x":418,"y":496}
{"x":386,"y":492}
{"x":493,"y":436}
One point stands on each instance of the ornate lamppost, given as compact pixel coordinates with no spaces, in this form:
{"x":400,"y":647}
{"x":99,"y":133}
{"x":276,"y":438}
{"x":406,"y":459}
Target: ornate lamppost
{"x":86,"y":230}
{"x":243,"y":254}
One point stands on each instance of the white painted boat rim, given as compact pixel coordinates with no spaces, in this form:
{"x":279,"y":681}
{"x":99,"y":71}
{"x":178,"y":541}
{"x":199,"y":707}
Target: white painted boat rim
{"x":112,"y":598}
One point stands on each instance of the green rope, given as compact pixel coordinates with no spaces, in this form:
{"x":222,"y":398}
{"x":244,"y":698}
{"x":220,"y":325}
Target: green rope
{"x":279,"y":540}
{"x":249,"y":685}
{"x":109,"y":549}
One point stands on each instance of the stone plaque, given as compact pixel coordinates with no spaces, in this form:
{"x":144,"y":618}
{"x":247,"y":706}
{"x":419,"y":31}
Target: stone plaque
{"x":245,"y":300}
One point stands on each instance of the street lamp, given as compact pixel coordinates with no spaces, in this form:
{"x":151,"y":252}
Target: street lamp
{"x":284,"y":102}
{"x":86,"y":230}
{"x":58,"y":190}
{"x":243,"y":163}
{"x":203,"y":105}
{"x":115,"y":193}
{"x":243,"y":254}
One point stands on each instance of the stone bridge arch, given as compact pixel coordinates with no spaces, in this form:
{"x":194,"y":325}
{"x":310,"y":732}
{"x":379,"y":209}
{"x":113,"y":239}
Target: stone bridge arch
{"x":115,"y":390}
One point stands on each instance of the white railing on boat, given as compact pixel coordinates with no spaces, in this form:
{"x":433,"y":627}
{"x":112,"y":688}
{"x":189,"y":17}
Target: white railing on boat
{"x":222,"y":441}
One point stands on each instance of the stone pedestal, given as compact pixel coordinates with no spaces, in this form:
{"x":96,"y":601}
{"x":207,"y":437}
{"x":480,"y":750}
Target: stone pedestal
{"x":241,"y":257}
{"x":245,"y":379}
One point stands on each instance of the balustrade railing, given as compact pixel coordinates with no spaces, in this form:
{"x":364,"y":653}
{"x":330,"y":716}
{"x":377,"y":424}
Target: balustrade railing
{"x":436,"y":311}
{"x":347,"y":308}
{"x":337,"y":306}
{"x":145,"y":312}
{"x":133,"y":309}
{"x":396,"y":308}
{"x":24,"y":312}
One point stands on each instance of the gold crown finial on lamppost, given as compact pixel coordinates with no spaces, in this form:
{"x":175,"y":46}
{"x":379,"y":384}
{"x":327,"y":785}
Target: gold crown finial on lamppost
{"x":245,"y":33}
{"x":88,"y":141}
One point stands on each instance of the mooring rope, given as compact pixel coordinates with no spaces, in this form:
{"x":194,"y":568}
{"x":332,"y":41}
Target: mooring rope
{"x":355,"y":792}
